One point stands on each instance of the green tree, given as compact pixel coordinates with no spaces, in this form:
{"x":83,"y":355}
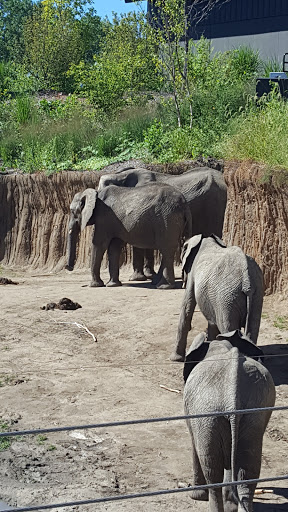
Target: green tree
{"x":91,"y":28}
{"x":13,"y":14}
{"x":53,"y":41}
{"x":124,"y":67}
{"x":170,"y":22}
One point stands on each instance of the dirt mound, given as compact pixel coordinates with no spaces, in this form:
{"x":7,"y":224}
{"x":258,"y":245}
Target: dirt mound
{"x":64,"y":303}
{"x":35,"y":211}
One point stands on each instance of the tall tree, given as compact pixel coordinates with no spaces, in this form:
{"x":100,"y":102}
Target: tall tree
{"x":170,"y":22}
{"x":13,"y":14}
{"x":52,"y":36}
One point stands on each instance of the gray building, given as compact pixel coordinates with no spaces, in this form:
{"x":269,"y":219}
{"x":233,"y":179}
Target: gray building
{"x":260,"y":24}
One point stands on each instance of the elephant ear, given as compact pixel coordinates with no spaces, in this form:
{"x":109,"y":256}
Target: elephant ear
{"x":83,"y":205}
{"x":243,"y":343}
{"x":195,"y":354}
{"x":87,"y":204}
{"x":192,"y":244}
{"x":218,"y":240}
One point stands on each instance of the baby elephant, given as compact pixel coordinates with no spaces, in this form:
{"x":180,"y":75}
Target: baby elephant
{"x":221,"y":377}
{"x":226,"y":284}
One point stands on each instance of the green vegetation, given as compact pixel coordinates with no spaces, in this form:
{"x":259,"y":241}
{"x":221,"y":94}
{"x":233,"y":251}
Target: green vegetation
{"x":51,"y":448}
{"x":5,"y":380}
{"x":79,"y":92}
{"x":281,"y":322}
{"x":5,"y":441}
{"x":41,"y":438}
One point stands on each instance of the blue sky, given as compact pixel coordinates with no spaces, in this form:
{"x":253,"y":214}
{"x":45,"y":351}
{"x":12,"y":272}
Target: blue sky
{"x":105,"y":7}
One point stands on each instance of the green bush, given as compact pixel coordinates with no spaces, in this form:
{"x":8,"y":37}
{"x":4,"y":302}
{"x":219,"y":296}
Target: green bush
{"x":259,"y":133}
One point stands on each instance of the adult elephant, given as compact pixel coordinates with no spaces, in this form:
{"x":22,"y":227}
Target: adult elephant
{"x":204,"y":190}
{"x":226,"y":284}
{"x":154,"y":216}
{"x":220,"y":377}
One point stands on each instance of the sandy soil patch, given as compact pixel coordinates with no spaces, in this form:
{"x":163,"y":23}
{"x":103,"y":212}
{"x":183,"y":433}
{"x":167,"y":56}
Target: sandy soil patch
{"x":53,"y":374}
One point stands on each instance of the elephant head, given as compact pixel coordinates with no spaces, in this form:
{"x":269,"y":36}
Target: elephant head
{"x":200,"y":347}
{"x":81,"y":211}
{"x":190,"y":250}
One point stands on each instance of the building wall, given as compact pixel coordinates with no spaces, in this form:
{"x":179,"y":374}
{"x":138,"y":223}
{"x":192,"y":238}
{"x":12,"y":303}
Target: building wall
{"x":271,"y":45}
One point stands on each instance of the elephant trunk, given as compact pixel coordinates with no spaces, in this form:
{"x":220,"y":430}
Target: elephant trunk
{"x":73,"y":235}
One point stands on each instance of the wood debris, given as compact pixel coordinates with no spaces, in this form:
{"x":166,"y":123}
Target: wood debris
{"x":170,"y":389}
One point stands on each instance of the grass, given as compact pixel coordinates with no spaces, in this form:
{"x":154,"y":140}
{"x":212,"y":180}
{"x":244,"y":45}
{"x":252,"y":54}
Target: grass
{"x":41,"y":438}
{"x":281,"y":322}
{"x":5,"y":380}
{"x":227,"y":122}
{"x":5,"y":441}
{"x":260,"y":134}
{"x":76,"y":142}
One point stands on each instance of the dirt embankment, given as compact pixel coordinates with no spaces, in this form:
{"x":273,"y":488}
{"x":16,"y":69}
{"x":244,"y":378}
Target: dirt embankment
{"x":34,"y":213}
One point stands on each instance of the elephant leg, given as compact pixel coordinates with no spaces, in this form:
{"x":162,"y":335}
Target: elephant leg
{"x":198,"y":477}
{"x":248,"y":464}
{"x":149,"y":271}
{"x":138,"y":263}
{"x":167,"y":280}
{"x":96,"y":260}
{"x":229,"y":499}
{"x":184,"y":325}
{"x":114,"y":251}
{"x":157,"y":277}
{"x":214,"y":474}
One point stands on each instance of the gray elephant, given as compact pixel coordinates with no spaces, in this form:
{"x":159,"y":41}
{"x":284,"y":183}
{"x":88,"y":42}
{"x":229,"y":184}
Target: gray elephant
{"x":221,"y":377}
{"x":154,"y":216}
{"x":226,"y":284}
{"x":204,"y":190}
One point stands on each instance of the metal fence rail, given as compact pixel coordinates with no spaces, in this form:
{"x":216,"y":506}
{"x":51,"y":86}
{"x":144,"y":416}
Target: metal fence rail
{"x":140,"y":421}
{"x":121,"y":497}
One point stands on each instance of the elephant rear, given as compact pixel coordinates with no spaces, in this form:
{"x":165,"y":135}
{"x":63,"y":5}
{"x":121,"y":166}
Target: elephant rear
{"x":227,"y":447}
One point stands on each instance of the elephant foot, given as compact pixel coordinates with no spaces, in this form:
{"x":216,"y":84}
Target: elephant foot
{"x":201,"y":495}
{"x":177,"y":357}
{"x":149,"y":274}
{"x":163,"y":285}
{"x":137,"y":276}
{"x":97,"y":284}
{"x":69,"y":267}
{"x":113,"y":284}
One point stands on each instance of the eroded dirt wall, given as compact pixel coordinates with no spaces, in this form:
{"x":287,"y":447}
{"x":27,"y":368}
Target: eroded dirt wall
{"x":34,"y":213}
{"x":257,"y":220}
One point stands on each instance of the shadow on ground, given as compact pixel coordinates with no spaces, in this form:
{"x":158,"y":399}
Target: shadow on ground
{"x":265,"y":506}
{"x":277,"y":364}
{"x":148,"y":284}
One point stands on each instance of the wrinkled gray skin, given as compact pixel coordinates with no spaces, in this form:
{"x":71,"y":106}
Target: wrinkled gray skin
{"x":154,"y":216}
{"x":204,"y":190}
{"x":226,"y":448}
{"x":226,"y":284}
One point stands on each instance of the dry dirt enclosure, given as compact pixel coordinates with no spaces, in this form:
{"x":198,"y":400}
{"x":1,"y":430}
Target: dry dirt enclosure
{"x":54,"y":374}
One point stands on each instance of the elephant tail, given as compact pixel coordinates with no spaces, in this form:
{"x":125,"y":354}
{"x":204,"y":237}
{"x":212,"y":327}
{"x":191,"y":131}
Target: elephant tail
{"x":235,"y":418}
{"x":234,"y":425}
{"x":236,"y":472}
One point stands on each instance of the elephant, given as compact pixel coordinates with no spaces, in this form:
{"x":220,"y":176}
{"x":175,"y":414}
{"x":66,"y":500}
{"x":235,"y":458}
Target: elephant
{"x":226,"y":284}
{"x":226,"y":448}
{"x":154,"y":216}
{"x":204,"y":190}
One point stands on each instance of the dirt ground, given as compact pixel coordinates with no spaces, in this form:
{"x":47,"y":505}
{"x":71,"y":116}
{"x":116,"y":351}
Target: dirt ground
{"x":53,"y":374}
